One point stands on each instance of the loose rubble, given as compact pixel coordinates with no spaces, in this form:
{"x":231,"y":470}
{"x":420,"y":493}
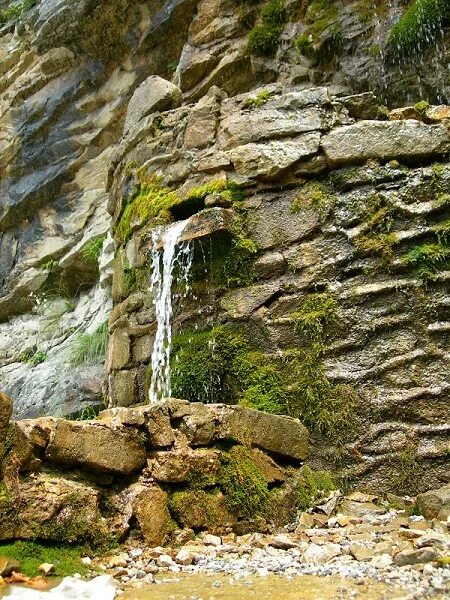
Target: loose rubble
{"x":370,"y":542}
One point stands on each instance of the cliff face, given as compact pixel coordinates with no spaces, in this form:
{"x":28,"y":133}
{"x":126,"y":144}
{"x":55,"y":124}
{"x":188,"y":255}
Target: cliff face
{"x":295,"y":210}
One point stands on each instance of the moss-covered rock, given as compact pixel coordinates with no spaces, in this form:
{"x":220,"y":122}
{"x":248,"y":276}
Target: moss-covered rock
{"x":198,"y":509}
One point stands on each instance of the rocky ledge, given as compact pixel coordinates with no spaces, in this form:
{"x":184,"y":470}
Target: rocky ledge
{"x":164,"y":467}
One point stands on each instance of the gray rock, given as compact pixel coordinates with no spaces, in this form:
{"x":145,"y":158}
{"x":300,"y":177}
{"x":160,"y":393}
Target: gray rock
{"x":269,"y":160}
{"x":403,"y":140}
{"x":153,"y":95}
{"x":414,"y":557}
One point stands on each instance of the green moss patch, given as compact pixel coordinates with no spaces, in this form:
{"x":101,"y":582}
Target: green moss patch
{"x":419,"y":27}
{"x":67,"y":559}
{"x":243,"y":483}
{"x":315,"y":195}
{"x":312,"y":486}
{"x":265,"y":37}
{"x":153,"y":201}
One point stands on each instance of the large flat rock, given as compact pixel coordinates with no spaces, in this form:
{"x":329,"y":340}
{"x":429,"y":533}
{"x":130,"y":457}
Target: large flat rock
{"x":96,"y":447}
{"x":408,"y":140}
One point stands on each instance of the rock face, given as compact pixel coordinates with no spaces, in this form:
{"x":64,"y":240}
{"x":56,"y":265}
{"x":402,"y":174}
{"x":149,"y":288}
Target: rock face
{"x":93,"y":481}
{"x":312,"y":192}
{"x":320,"y":230}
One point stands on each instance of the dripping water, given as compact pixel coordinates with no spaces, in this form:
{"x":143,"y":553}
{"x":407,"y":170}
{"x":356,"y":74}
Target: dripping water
{"x":174,"y":261}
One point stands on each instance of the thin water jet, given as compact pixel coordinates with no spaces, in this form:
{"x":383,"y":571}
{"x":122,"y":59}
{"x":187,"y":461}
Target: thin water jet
{"x":176,"y":258}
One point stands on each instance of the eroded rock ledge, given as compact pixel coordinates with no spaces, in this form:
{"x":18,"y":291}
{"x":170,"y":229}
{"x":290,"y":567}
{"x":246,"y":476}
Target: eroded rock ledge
{"x":163,"y":467}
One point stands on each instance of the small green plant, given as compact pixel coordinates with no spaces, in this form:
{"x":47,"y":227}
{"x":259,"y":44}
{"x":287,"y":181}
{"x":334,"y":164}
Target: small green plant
{"x":256,"y":101}
{"x":317,"y":313}
{"x":243,"y":483}
{"x":67,"y":559}
{"x":49,"y":265}
{"x":90,"y":348}
{"x":264,"y":39}
{"x":427,"y":258}
{"x":419,"y":27}
{"x":91,"y":252}
{"x":304,"y":43}
{"x":15,"y":10}
{"x":421,"y":108}
{"x":33,"y":356}
{"x":311,"y":486}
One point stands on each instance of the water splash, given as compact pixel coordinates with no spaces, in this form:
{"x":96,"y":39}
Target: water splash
{"x":176,"y":259}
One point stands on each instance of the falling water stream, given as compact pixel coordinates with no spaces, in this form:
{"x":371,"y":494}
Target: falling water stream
{"x":176,"y":260}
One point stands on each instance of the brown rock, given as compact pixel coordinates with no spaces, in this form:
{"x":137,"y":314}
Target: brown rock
{"x":159,"y":427}
{"x":435,"y":504}
{"x":414,"y":557}
{"x":278,"y":434}
{"x":48,"y":507}
{"x":6,"y":407}
{"x":361,"y":552}
{"x":152,"y":513}
{"x":198,"y":509}
{"x":8,"y":565}
{"x":359,"y":509}
{"x":200,"y":467}
{"x":95,"y":446}
{"x":272,"y":472}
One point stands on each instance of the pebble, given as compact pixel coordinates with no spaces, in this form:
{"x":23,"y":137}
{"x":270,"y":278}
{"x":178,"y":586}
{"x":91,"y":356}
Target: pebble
{"x":375,"y":547}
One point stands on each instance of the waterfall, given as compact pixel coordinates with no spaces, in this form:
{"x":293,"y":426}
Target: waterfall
{"x":176,"y":260}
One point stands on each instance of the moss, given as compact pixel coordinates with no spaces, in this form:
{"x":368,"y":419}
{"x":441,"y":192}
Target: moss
{"x":406,"y":470}
{"x":201,"y":362}
{"x":228,"y":190}
{"x":265,"y":38}
{"x":419,"y":27}
{"x":220,"y":364}
{"x":243,"y":483}
{"x":427,"y":259}
{"x":67,"y":559}
{"x":377,"y":237}
{"x":90,"y":348}
{"x":315,"y":195}
{"x":311,"y":486}
{"x":325,"y":408}
{"x":316,"y":314}
{"x":421,"y":108}
{"x":198,"y":509}
{"x":304,"y":43}
{"x":256,"y":101}
{"x":74,"y":524}
{"x":136,"y":279}
{"x":153,"y":201}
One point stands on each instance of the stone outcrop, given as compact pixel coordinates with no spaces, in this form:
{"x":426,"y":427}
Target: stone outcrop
{"x":94,"y":481}
{"x":323,"y":226}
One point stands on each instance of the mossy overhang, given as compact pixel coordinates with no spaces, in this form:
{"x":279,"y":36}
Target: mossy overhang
{"x":207,"y":223}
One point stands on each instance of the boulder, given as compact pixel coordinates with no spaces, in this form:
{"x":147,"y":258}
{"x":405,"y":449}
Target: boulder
{"x":49,"y":507}
{"x":414,"y":557}
{"x":385,"y":140}
{"x":278,"y":434}
{"x":199,"y":467}
{"x":153,"y":95}
{"x":435,"y":504}
{"x":8,"y":566}
{"x":152,"y":514}
{"x":270,"y":159}
{"x":95,"y":446}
